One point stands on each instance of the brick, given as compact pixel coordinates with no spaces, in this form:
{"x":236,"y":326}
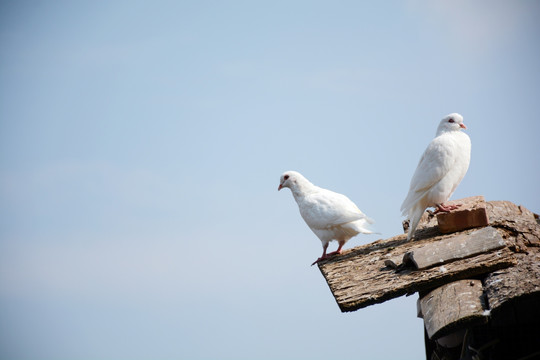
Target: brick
{"x":472,"y":213}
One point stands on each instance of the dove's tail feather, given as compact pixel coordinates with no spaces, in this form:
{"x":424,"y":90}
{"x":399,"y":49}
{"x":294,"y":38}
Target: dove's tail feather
{"x":369,"y":220}
{"x":415,"y":213}
{"x":412,"y":200}
{"x":361,"y":226}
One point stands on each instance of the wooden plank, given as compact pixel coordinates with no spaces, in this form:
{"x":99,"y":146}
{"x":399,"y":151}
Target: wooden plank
{"x":457,"y":247}
{"x":359,"y":278}
{"x":452,"y":307}
{"x":504,"y":211}
{"x":522,"y":280}
{"x":471,"y":214}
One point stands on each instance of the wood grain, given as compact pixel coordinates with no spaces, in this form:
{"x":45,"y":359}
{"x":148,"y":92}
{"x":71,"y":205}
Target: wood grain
{"x":458,"y":247}
{"x":452,"y":306}
{"x":364,"y":280}
{"x":359,"y":277}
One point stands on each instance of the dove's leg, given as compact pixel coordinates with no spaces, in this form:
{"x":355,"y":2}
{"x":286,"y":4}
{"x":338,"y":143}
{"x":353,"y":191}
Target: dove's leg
{"x":338,"y":251}
{"x":445,"y":208}
{"x":324,"y":255}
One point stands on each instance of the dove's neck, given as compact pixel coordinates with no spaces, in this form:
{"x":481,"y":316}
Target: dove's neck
{"x":443,"y":131}
{"x":302,"y":189}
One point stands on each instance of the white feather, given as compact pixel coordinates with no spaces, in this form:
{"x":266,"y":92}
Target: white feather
{"x":331,"y":216}
{"x":440,"y":170}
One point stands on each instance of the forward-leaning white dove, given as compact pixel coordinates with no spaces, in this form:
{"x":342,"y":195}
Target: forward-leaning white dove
{"x":331,"y":216}
{"x":440,"y":170}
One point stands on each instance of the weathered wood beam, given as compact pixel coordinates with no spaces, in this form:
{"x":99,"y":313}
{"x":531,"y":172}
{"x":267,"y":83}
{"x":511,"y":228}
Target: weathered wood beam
{"x":360,"y":281}
{"x":458,"y":247}
{"x":359,"y":277}
{"x":522,"y":280}
{"x":452,"y":307}
{"x":519,"y":223}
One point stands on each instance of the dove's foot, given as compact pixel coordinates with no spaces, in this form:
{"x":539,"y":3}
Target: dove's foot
{"x":319,"y":259}
{"x":333,"y":253}
{"x":326,"y":256}
{"x":446,"y":208}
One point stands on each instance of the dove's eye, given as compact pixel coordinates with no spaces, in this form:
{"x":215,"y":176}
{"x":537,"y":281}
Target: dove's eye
{"x":286,"y":177}
{"x":451,"y":120}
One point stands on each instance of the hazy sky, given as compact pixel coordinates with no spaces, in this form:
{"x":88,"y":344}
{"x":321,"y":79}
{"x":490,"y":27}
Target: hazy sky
{"x":141,"y":144}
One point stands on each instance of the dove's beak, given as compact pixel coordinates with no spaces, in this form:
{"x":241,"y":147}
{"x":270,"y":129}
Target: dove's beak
{"x":462,"y":126}
{"x":280,"y":187}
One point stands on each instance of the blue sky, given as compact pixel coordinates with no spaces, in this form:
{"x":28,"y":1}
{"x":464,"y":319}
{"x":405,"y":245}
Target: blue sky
{"x":142,"y":144}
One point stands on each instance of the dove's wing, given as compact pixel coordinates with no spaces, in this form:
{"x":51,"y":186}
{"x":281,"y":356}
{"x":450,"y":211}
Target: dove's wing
{"x":434,"y":164}
{"x":325,"y":208}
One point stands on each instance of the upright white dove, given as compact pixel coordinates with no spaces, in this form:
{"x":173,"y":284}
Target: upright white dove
{"x":440,"y":170}
{"x":331,"y":216}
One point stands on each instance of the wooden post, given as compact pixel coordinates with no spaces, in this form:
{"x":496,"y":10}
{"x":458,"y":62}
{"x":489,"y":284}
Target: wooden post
{"x":452,"y":307}
{"x":479,"y":288}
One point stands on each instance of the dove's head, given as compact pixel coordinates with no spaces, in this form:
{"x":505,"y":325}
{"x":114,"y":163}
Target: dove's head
{"x":451,"y":122}
{"x":290,"y":179}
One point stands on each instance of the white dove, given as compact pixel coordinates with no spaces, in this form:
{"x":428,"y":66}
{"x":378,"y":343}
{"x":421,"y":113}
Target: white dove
{"x":331,"y":216}
{"x":440,"y":170}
